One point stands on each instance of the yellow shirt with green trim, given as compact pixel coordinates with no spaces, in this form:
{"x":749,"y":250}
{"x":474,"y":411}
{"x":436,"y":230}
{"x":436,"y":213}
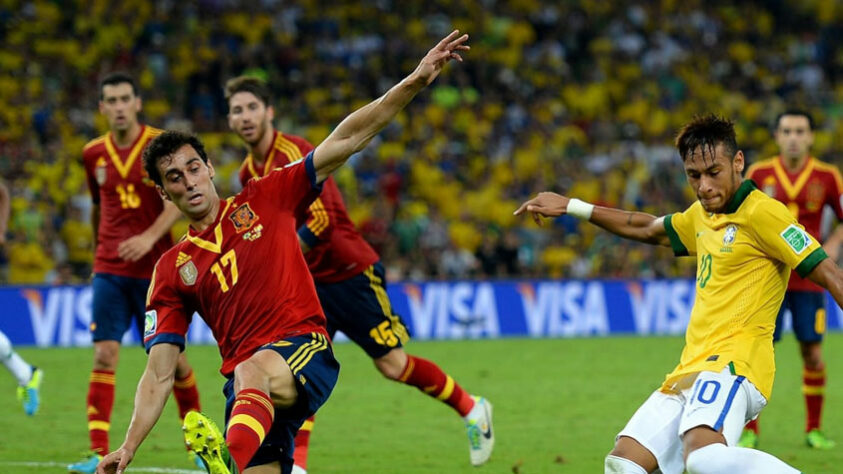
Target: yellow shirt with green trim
{"x":744,"y":258}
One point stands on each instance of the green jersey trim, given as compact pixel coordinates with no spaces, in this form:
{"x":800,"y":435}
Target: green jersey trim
{"x":676,"y":244}
{"x":810,"y":262}
{"x":740,"y":196}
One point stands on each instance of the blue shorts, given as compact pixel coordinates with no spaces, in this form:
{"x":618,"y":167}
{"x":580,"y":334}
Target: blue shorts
{"x":118,"y":301}
{"x":808,"y":315}
{"x":360,"y":308}
{"x":315,"y":369}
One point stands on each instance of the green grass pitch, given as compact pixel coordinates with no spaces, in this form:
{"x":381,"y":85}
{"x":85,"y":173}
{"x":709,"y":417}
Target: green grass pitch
{"x":558,"y":405}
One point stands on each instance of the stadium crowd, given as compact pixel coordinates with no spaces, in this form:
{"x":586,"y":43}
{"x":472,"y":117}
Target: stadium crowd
{"x":584,"y":92}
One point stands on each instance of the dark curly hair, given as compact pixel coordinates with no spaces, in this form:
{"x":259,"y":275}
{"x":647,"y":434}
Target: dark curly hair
{"x":164,"y":145}
{"x":705,"y":132}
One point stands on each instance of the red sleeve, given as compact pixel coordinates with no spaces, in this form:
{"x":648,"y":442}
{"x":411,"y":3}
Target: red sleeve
{"x":294,"y":186}
{"x":93,"y":186}
{"x":835,"y":198}
{"x":167,"y":319}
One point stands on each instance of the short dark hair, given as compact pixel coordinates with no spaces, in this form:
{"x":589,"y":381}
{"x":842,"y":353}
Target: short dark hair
{"x":706,"y":132}
{"x":118,"y":77}
{"x":798,"y":113}
{"x":248,"y":84}
{"x":165,"y":145}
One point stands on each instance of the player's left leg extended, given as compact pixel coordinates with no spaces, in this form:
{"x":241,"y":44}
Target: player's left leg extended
{"x":809,"y":325}
{"x":714,"y":413}
{"x":360,"y":308}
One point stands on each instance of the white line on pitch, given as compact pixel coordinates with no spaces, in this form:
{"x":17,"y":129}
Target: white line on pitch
{"x":138,"y":469}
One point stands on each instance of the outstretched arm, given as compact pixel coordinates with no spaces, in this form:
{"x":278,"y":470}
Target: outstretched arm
{"x":355,"y":132}
{"x":829,"y":276}
{"x":153,"y":389}
{"x":638,"y":226}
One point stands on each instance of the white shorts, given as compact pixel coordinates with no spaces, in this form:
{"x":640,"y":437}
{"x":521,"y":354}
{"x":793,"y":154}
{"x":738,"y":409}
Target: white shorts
{"x":721,"y":401}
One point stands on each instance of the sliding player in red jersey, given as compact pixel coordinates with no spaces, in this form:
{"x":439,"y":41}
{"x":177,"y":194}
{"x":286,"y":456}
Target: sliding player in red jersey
{"x":241,"y":268}
{"x":349,"y":277}
{"x":131,"y":229}
{"x":806,"y":186}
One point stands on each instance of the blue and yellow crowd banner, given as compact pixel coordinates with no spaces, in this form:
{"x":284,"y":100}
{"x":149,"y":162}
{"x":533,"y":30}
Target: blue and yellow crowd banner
{"x":60,"y":315}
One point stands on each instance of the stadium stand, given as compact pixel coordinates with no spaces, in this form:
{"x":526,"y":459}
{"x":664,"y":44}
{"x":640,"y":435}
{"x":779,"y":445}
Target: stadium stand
{"x":554,"y":93}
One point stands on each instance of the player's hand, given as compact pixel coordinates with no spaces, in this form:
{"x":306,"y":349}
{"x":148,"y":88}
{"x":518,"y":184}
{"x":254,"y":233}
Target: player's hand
{"x":135,"y":247}
{"x":435,"y":59}
{"x":544,"y":205}
{"x":116,"y":462}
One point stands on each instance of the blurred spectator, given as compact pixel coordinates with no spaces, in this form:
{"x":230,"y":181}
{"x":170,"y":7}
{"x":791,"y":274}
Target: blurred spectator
{"x":581,"y":97}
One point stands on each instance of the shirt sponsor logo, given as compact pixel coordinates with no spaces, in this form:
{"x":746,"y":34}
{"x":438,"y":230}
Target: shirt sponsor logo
{"x":188,"y":273}
{"x":150,"y":323}
{"x":797,"y":239}
{"x":243,"y":218}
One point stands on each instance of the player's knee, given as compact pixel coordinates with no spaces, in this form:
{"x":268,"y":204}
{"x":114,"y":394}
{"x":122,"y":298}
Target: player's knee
{"x":105,"y":356}
{"x":619,"y":465}
{"x":710,"y":459}
{"x":392,"y":364}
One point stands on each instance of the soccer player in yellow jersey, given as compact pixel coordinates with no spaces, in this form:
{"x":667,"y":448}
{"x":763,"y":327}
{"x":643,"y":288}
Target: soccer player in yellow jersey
{"x":746,"y":244}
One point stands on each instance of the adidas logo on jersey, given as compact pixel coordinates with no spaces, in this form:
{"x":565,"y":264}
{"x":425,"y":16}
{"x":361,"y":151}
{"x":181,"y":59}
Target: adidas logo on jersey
{"x":182,"y":259}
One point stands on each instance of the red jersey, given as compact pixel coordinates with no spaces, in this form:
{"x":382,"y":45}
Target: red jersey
{"x":805,"y":193}
{"x":245,"y":274}
{"x":337,"y":251}
{"x":128,"y":202}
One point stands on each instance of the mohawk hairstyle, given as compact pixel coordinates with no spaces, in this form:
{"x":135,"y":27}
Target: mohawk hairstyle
{"x":705,"y":132}
{"x":163,"y":146}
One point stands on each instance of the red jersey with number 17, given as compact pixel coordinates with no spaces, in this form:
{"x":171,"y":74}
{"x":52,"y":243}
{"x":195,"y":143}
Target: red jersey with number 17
{"x":128,"y":202}
{"x":805,"y":193}
{"x":245,"y":274}
{"x":337,"y":251}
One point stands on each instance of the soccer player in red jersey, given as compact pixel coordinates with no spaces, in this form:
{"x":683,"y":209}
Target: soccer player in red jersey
{"x":348,"y":274}
{"x":132,"y":230}
{"x":806,"y":185}
{"x":242,"y":269}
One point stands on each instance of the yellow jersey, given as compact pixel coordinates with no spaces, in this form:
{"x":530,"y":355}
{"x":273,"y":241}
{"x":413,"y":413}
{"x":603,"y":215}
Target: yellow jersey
{"x":744,"y":258}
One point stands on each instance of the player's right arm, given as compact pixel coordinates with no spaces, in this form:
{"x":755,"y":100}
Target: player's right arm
{"x":154,"y":388}
{"x":632,"y":225}
{"x":356,"y":130}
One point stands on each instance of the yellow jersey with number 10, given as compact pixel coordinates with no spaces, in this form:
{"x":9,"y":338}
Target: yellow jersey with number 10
{"x":744,"y":258}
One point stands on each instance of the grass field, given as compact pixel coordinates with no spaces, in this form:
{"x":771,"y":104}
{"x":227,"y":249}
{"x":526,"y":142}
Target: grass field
{"x":558,"y":404}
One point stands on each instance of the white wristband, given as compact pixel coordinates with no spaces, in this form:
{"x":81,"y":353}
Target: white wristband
{"x":580,"y":209}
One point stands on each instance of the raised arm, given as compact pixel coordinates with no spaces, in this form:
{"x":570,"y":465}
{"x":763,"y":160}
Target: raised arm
{"x":638,"y":226}
{"x":153,"y":389}
{"x":356,"y":130}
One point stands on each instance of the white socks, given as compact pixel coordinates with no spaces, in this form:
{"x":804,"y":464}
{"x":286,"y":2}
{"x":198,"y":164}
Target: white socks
{"x":16,"y":365}
{"x":718,"y":458}
{"x":618,"y":465}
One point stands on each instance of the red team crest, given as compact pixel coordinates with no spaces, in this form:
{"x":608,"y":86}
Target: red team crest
{"x":243,"y":217}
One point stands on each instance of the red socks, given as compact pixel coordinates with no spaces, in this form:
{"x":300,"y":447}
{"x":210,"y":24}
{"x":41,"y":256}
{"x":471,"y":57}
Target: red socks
{"x":251,"y":419}
{"x":429,"y":378}
{"x":186,"y":395}
{"x":813,"y":386}
{"x":301,"y":442}
{"x":100,"y":402}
